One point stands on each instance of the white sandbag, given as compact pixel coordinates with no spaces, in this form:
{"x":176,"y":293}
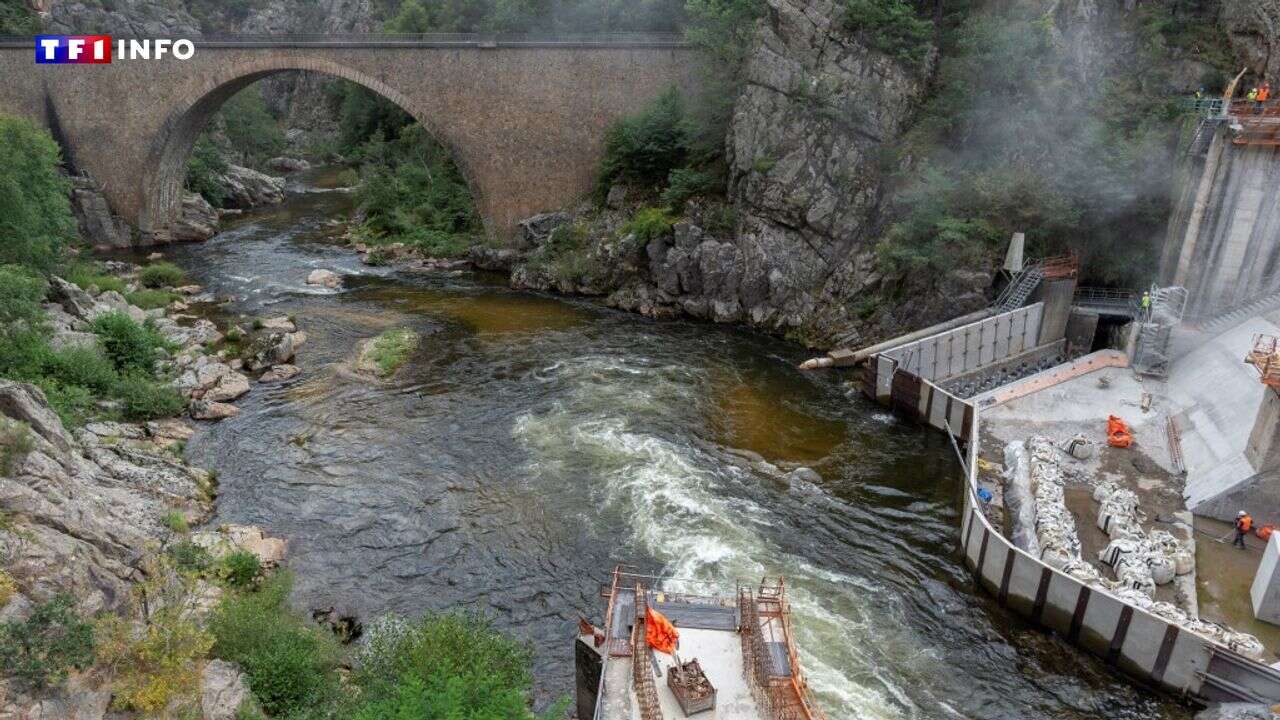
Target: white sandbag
{"x":1019,"y":501}
{"x":1115,"y":550}
{"x":1162,"y":569}
{"x":1103,"y":490}
{"x":1245,"y":644}
{"x":1183,"y":562}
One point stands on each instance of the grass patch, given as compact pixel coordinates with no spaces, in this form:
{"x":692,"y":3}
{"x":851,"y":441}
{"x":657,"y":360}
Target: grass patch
{"x":90,"y":275}
{"x":240,"y":568}
{"x":176,"y":522}
{"x":391,"y":349}
{"x":649,"y":224}
{"x":162,"y":274}
{"x":151,"y":299}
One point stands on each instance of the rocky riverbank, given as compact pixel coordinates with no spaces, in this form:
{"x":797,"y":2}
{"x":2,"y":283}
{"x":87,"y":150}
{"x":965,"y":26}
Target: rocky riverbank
{"x":85,"y":512}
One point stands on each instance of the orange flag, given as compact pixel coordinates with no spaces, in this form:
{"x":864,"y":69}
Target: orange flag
{"x":659,"y":632}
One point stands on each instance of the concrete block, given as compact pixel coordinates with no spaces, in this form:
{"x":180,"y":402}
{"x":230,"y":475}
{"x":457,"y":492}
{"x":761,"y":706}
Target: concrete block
{"x":1265,"y":592}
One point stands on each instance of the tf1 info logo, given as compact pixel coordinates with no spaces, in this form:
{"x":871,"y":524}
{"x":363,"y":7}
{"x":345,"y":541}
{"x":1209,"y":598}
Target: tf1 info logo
{"x":98,"y":49}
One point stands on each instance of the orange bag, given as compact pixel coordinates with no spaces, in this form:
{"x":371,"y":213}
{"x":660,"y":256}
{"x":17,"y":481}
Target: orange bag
{"x":659,"y":632}
{"x":1264,"y":532}
{"x":1118,"y":434}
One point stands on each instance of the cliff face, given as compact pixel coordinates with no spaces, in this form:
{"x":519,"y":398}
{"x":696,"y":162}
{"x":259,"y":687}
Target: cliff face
{"x":1254,"y":29}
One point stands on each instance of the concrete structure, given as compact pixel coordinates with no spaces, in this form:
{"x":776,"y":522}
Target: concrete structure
{"x":525,"y":119}
{"x":1223,"y":243}
{"x":1263,"y":448}
{"x":1143,"y":645}
{"x":1265,"y":592}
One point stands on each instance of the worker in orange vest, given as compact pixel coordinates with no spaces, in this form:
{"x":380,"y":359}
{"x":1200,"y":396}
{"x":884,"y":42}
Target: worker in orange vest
{"x":1244,"y":524}
{"x":1264,"y":92}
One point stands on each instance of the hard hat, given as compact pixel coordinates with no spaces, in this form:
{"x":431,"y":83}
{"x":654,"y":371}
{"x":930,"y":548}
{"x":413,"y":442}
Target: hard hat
{"x":1241,"y":513}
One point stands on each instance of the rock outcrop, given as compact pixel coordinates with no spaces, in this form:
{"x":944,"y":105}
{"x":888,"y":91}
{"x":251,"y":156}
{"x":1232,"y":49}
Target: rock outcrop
{"x":198,"y":221}
{"x":1254,"y":29}
{"x":98,"y":225}
{"x":247,"y":188}
{"x":84,"y":507}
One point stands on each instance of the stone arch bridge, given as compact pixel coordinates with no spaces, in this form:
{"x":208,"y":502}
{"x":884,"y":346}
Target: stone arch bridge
{"x":525,"y":118}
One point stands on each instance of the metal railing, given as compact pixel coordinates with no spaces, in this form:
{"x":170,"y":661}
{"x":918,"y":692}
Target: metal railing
{"x":1110,"y":298}
{"x":412,"y":40}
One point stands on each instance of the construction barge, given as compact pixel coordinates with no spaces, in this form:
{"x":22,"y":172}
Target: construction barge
{"x":734,"y":659}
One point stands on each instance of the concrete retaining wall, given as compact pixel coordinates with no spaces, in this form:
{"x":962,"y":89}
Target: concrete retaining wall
{"x":1141,"y":645}
{"x":970,"y":347}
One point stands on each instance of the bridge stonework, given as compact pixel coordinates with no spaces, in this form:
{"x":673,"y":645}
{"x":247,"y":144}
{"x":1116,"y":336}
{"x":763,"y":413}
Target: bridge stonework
{"x":525,"y":122}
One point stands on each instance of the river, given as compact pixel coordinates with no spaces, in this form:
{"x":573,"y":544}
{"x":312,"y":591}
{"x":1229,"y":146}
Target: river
{"x":533,"y":442}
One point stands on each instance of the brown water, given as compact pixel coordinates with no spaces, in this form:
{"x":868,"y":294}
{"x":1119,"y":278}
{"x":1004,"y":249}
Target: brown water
{"x":532,"y":442}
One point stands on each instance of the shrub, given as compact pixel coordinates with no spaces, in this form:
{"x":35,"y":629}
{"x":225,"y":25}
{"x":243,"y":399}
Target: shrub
{"x":289,"y":664}
{"x":129,"y":345}
{"x":391,"y":349}
{"x":649,"y":224}
{"x":21,"y":292}
{"x":51,"y":641}
{"x":444,"y":666}
{"x":686,"y":183}
{"x":15,"y":443}
{"x":35,"y":215}
{"x":204,"y":168}
{"x":8,"y":588}
{"x":241,"y":568}
{"x":161,"y":274}
{"x":89,"y":275}
{"x":890,"y":26}
{"x":250,"y":128}
{"x":82,"y":367}
{"x":645,"y":148}
{"x":156,"y":664}
{"x":146,"y":399}
{"x":151,"y":299}
{"x":190,"y":558}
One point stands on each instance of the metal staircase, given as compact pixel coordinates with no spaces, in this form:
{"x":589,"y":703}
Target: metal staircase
{"x":1015,"y":294}
{"x":1203,"y":137}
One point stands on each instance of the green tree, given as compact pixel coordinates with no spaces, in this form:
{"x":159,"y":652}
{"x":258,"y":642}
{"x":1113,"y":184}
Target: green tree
{"x":203,"y":170}
{"x":17,"y":18}
{"x":250,"y":128}
{"x":35,"y":216}
{"x":51,"y":641}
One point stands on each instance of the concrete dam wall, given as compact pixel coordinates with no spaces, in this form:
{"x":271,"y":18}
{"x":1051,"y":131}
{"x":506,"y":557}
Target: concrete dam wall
{"x":1223,"y":242}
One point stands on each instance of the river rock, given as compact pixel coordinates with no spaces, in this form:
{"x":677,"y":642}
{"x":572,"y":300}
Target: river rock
{"x":491,"y":258}
{"x":248,"y":188}
{"x":280,"y":373}
{"x":64,"y":339}
{"x":98,"y":225}
{"x":298,"y":338}
{"x":288,"y":164}
{"x":325,"y":278}
{"x":537,"y":230}
{"x":197,"y":221}
{"x":204,"y":332}
{"x":231,"y":386}
{"x":171,"y":429}
{"x":222,"y":690}
{"x":280,"y":322}
{"x":205,"y":410}
{"x":78,"y":303}
{"x":209,"y":372}
{"x":269,"y":348}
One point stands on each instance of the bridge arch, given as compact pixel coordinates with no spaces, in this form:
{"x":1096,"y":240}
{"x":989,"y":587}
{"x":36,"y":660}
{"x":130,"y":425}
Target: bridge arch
{"x":164,"y":181}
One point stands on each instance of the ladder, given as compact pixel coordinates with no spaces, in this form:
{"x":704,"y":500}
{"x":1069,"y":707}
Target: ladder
{"x":1016,"y":292}
{"x":1203,"y":136}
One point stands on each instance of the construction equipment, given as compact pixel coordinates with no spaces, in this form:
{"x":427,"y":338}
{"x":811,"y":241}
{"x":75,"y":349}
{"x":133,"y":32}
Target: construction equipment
{"x":1265,"y":358}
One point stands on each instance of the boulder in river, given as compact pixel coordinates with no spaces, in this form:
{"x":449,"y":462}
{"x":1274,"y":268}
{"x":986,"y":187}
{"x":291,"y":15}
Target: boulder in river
{"x":231,"y":386}
{"x":280,"y":373}
{"x":280,"y":322}
{"x":268,"y":349}
{"x":247,"y":188}
{"x":325,"y":278}
{"x":206,"y":410}
{"x":288,"y":164}
{"x":198,"y":220}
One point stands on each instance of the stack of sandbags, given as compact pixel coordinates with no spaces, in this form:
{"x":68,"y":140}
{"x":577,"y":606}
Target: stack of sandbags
{"x":1177,"y":553}
{"x":1055,"y":527}
{"x":1019,"y":500}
